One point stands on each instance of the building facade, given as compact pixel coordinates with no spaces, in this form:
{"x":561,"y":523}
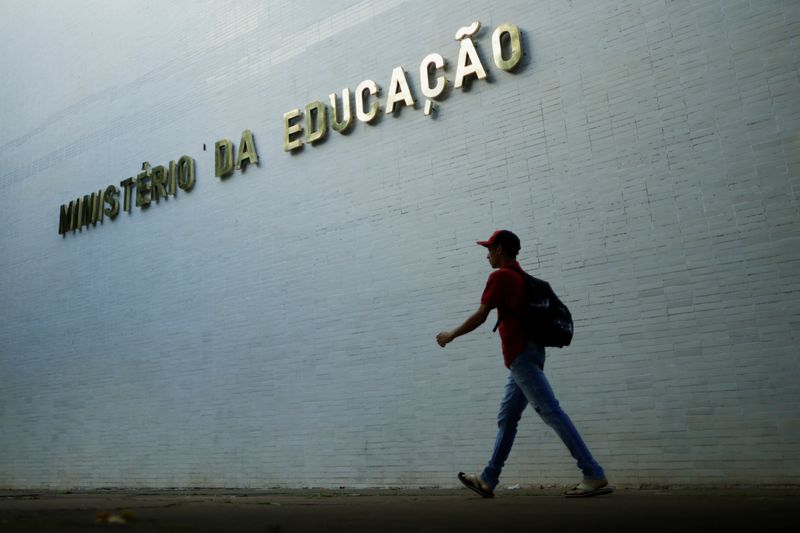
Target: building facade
{"x":210,"y":278}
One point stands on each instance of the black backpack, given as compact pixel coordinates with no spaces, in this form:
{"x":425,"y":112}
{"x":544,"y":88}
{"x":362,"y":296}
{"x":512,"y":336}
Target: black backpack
{"x":545,"y":318}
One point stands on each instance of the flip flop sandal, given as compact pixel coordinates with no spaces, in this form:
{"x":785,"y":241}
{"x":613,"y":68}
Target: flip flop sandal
{"x":582,"y":490}
{"x":474,"y":483}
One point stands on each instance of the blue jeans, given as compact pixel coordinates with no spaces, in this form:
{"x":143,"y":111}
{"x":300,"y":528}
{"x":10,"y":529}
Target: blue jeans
{"x":528,"y":384}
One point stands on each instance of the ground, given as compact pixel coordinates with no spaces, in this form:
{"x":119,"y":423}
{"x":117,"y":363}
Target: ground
{"x":542,"y":510}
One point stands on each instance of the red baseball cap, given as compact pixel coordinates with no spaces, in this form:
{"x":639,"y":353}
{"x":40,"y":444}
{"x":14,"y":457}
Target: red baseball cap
{"x":503,"y":237}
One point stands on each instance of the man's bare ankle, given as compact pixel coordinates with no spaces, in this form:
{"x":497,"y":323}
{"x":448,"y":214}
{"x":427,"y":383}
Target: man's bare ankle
{"x":595,"y":483}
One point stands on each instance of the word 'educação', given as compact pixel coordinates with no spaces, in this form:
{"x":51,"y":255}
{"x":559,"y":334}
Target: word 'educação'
{"x":318,"y":116}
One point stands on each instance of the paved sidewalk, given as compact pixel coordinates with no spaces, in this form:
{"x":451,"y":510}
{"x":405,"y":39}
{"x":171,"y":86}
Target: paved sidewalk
{"x":751,"y":510}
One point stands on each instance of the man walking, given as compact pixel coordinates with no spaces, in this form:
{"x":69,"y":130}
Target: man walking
{"x":524,"y":357}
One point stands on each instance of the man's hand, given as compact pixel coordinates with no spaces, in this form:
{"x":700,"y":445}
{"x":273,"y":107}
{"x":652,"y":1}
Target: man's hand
{"x":443,"y":338}
{"x":477,"y":318}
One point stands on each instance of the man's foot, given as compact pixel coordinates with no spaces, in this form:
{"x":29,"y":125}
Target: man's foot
{"x":589,"y":487}
{"x":476,"y":483}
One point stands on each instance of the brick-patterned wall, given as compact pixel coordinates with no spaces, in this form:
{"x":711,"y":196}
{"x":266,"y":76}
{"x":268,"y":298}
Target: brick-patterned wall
{"x":276,"y":328}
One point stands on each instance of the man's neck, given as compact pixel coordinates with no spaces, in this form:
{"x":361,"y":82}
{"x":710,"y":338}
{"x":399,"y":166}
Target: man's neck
{"x":507,"y":263}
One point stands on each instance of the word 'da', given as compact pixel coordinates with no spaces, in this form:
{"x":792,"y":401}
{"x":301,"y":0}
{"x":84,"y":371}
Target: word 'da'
{"x":225,"y":153}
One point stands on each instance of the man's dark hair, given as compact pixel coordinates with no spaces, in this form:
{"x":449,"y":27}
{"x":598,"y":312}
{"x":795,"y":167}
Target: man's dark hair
{"x":509,"y":242}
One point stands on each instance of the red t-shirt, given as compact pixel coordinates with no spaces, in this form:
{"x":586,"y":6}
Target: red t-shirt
{"x":505,"y":289}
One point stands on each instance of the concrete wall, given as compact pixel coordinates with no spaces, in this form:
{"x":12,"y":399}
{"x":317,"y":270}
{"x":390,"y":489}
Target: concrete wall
{"x":276,"y":328}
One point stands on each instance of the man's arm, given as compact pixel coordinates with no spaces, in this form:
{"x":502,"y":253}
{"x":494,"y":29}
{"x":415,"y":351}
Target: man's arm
{"x":477,"y":318}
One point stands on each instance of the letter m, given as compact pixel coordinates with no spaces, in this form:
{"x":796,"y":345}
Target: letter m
{"x":66,"y":218}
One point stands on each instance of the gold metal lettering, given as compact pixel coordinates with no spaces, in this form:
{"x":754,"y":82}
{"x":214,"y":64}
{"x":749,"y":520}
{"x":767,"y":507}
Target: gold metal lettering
{"x":159,"y":179}
{"x":81,"y":215}
{"x":247,"y":151}
{"x":73,"y":216}
{"x":185,"y":170}
{"x":65,"y":218}
{"x":173,"y":179}
{"x":223,"y":158}
{"x":316,"y":122}
{"x":398,"y":91}
{"x":143,"y":186}
{"x":432,"y":62}
{"x":111,"y":197}
{"x":469,"y":63}
{"x":86,"y":211}
{"x":74,"y":222}
{"x":90,"y":209}
{"x":127,"y":185}
{"x":97,"y":207}
{"x":515,"y":44}
{"x":290,"y":129}
{"x":347,"y":115}
{"x":372,"y":89}
{"x":468,"y":31}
